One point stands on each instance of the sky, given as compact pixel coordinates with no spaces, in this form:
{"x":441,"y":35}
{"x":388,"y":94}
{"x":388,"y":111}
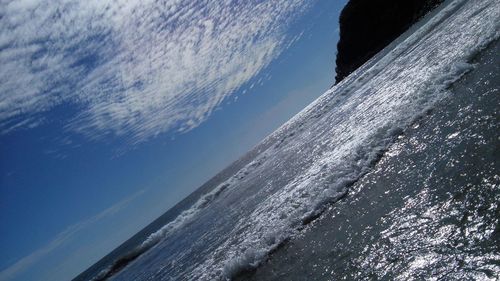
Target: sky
{"x":112,"y":111}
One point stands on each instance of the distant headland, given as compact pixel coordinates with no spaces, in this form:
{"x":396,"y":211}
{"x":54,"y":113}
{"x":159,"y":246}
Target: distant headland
{"x":367,"y":26}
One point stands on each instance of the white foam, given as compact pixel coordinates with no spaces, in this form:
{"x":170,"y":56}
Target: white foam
{"x":185,"y":216}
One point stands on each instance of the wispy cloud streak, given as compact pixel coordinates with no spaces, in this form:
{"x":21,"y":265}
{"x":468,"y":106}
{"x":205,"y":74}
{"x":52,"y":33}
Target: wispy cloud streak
{"x":133,"y":68}
{"x":61,"y":239}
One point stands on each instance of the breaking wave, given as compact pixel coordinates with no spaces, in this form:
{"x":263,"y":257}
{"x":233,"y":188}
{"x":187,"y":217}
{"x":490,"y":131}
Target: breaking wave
{"x":164,"y":232}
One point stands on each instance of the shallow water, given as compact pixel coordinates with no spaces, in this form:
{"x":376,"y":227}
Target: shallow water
{"x":429,"y":210}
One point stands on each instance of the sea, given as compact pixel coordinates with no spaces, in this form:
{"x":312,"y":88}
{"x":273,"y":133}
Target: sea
{"x":393,"y":174}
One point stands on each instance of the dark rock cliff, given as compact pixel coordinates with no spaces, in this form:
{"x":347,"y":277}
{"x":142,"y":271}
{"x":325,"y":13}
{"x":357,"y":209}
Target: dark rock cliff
{"x":367,"y":26}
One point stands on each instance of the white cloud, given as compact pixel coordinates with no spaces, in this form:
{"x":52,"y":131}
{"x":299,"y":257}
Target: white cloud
{"x":133,"y":68}
{"x":62,"y":238}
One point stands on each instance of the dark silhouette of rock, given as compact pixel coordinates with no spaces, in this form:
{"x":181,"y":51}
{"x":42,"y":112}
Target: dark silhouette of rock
{"x":367,"y":26}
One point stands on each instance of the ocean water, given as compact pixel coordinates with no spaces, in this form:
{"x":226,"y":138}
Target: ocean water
{"x":281,"y":204}
{"x":428,"y":210}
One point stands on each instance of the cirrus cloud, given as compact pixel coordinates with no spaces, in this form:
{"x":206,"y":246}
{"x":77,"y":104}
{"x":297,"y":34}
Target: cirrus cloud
{"x":133,"y":68}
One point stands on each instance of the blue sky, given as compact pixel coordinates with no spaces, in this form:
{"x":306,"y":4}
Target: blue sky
{"x":113,"y":111}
